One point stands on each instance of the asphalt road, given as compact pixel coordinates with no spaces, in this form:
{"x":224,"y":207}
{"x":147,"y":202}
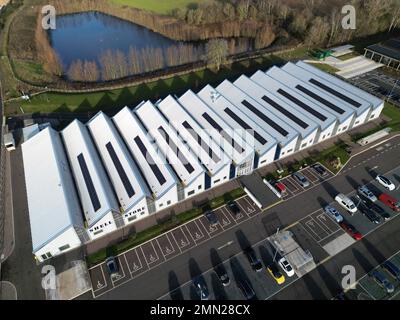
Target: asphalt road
{"x":360,"y":169}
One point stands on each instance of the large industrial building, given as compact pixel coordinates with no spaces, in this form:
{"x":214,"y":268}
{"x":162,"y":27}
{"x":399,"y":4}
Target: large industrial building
{"x":98,"y":177}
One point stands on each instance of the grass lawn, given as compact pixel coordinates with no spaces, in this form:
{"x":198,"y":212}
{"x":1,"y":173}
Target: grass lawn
{"x":159,"y":6}
{"x":325,"y":67}
{"x":146,"y":235}
{"x":348,"y":56}
{"x":114,"y":100}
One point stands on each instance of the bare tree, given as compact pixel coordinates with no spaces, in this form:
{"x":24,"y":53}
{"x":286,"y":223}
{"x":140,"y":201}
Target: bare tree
{"x":216,"y":52}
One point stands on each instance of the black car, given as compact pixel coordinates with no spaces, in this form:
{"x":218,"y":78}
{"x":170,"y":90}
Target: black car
{"x":246,"y":289}
{"x":112,"y":266}
{"x":212,"y":218}
{"x":392,"y":269}
{"x":254,"y":261}
{"x":201,"y":288}
{"x":371,"y":216}
{"x":320,"y":170}
{"x":233,"y":207}
{"x":222,"y":276}
{"x":380,"y":211}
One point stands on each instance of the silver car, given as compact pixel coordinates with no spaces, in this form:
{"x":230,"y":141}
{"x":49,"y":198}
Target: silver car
{"x":301,"y":179}
{"x":331,"y":211}
{"x":366,"y":193}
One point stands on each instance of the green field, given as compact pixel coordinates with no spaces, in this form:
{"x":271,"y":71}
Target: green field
{"x":159,"y":6}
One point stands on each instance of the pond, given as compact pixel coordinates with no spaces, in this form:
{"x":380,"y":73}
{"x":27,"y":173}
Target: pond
{"x":88,"y":36}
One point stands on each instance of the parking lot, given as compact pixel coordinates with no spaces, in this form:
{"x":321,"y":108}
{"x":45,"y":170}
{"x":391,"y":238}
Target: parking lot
{"x":379,"y":84}
{"x":368,"y":289}
{"x":151,"y":254}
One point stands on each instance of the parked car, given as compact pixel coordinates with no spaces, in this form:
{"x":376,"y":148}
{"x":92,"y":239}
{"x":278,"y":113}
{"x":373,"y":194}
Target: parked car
{"x":212,"y":218}
{"x":368,"y":194}
{"x":276,"y":273}
{"x":391,"y":202}
{"x":201,"y":288}
{"x":392,"y":269}
{"x":301,"y":179}
{"x":371,"y":216}
{"x":384,"y":282}
{"x":351,"y":230}
{"x":320,"y":170}
{"x":233,"y":207}
{"x":222,"y":276}
{"x":384,"y":181}
{"x":280,"y":187}
{"x":246,"y":289}
{"x":254,"y":261}
{"x":375,"y":209}
{"x":331,"y":211}
{"x":346,"y":203}
{"x":286,"y":266}
{"x":112,"y":266}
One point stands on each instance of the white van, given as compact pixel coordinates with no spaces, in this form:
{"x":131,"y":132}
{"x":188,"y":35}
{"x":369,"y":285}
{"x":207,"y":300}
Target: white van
{"x":346,"y":203}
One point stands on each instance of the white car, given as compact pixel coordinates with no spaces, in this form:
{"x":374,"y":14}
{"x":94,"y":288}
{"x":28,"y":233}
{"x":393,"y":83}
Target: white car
{"x":286,"y":266}
{"x":346,"y":203}
{"x":385,"y":182}
{"x":331,"y":211}
{"x":364,"y":191}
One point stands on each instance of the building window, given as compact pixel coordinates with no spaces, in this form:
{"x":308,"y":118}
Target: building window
{"x":345,"y":128}
{"x":44,"y":257}
{"x":98,"y":232}
{"x":63,"y":248}
{"x":225,"y":177}
{"x":372,"y":116}
{"x":357,"y":122}
{"x":190,"y":193}
{"x":168,"y":202}
{"x":132,"y":218}
{"x":290,"y":150}
{"x":143,"y":213}
{"x":323,"y":137}
{"x":161,"y":205}
{"x":264,"y":161}
{"x":304,"y":145}
{"x":199,"y":187}
{"x":216,"y":181}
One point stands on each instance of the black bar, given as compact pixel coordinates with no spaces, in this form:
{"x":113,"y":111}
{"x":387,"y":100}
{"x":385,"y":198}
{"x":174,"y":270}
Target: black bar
{"x":320,"y":99}
{"x":89,"y":183}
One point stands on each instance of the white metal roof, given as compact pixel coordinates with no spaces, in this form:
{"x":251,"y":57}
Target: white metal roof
{"x":94,"y":189}
{"x":342,"y":112}
{"x":376,"y":102}
{"x":52,"y":200}
{"x":229,"y":139}
{"x":122,"y":170}
{"x":263,"y":141}
{"x":262,"y":116}
{"x":206,"y":149}
{"x":345,"y":97}
{"x":186,"y":166}
{"x":158,"y":174}
{"x":295,"y":100}
{"x":304,"y":125}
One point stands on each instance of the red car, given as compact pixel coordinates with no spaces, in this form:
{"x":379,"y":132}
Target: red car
{"x":391,"y":202}
{"x":280,"y":187}
{"x":351,"y":230}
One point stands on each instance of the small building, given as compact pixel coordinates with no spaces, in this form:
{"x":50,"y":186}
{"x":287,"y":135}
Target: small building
{"x":264,"y":144}
{"x":187,"y":168}
{"x":98,"y":201}
{"x":361,"y":107}
{"x":216,"y":162}
{"x":230,"y":139}
{"x":129,"y":186}
{"x":307,"y":128}
{"x":344,"y":114}
{"x":287,"y":137}
{"x":327,"y":122}
{"x":159,"y":176}
{"x":349,"y":89}
{"x":55,"y":216}
{"x":9,"y":141}
{"x":387,"y":52}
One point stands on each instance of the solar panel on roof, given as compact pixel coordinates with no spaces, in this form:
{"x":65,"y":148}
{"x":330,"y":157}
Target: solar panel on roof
{"x":285,"y":112}
{"x":335,"y":93}
{"x":153,"y":166}
{"x":245,"y":126}
{"x":224,"y":134}
{"x":320,"y":99}
{"x":267,"y":120}
{"x":121,"y":172}
{"x":89,"y":183}
{"x":302,"y":105}
{"x":189,"y":168}
{"x":201,"y":142}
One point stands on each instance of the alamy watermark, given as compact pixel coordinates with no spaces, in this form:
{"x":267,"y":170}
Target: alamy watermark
{"x":49,"y":278}
{"x":349,"y":279}
{"x":349,"y":21}
{"x":49,"y":20}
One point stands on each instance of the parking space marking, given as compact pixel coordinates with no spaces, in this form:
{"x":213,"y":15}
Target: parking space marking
{"x":165,"y":245}
{"x":325,"y":220}
{"x":211,"y":230}
{"x":194,"y":231}
{"x":132,"y":258}
{"x":120,"y":278}
{"x":309,"y":227}
{"x":181,"y":238}
{"x":98,"y":283}
{"x":293,"y":186}
{"x":225,"y":219}
{"x":247,"y":207}
{"x":240,"y":217}
{"x":152,"y":256}
{"x":310,"y":176}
